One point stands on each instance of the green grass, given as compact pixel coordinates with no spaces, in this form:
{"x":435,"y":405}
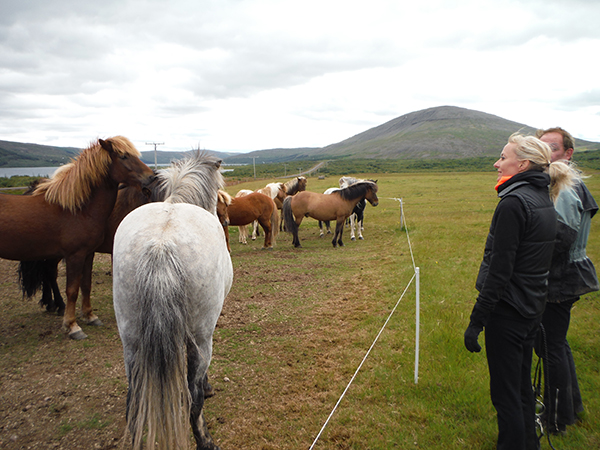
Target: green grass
{"x":333,"y":319}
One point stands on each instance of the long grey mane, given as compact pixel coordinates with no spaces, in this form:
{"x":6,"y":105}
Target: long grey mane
{"x":194,"y":180}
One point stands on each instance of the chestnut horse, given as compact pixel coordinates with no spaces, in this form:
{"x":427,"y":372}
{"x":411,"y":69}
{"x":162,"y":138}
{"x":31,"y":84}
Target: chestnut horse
{"x":256,"y":206}
{"x":338,"y":205}
{"x":66,"y":216}
{"x":35,"y":275}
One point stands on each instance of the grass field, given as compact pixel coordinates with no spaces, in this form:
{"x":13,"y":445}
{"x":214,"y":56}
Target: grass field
{"x":295,"y":327}
{"x":447,"y":217}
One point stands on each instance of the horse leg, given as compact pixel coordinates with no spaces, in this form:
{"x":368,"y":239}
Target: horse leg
{"x":243,"y":234}
{"x":352,"y":225}
{"x":266,"y":226}
{"x":321,"y":234}
{"x":75,"y":265}
{"x":339,"y":230}
{"x":255,"y":230}
{"x":197,"y":384}
{"x":53,"y":283}
{"x":86,"y":293}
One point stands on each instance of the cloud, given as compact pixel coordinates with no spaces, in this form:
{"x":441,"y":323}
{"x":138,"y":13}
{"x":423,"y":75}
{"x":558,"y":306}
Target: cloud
{"x":252,"y":74}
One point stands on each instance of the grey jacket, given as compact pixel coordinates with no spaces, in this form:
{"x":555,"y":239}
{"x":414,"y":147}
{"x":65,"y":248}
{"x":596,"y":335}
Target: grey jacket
{"x":572,"y":273}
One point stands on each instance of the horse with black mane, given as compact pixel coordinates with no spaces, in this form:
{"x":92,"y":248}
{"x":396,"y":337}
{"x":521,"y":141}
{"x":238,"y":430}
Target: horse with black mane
{"x":338,"y":205}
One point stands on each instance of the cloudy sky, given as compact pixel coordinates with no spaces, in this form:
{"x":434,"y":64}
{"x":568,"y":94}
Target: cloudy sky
{"x":241,"y":75}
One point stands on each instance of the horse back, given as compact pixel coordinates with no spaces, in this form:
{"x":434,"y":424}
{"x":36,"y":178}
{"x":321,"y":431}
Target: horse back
{"x":246,"y":209}
{"x":320,"y":206}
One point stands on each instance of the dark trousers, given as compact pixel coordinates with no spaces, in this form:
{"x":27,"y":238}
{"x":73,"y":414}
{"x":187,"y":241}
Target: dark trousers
{"x":561,"y":375}
{"x":509,"y":341}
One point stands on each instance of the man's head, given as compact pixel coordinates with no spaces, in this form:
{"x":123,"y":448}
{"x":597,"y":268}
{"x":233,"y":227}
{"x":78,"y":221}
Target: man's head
{"x":560,"y":141}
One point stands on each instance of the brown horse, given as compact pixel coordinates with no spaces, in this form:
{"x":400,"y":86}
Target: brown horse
{"x":338,"y":205}
{"x":66,"y":217}
{"x":35,"y":275}
{"x":291,"y":187}
{"x":256,"y":206}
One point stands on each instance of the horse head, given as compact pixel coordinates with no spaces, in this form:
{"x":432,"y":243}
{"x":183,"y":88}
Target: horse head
{"x":223,"y":202}
{"x":371,"y":195}
{"x":126,"y":166}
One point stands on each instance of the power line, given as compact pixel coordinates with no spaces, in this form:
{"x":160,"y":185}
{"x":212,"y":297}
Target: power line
{"x":155,"y":157}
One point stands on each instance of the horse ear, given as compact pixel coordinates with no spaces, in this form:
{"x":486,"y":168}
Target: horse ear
{"x":218,"y":163}
{"x":106,"y":145}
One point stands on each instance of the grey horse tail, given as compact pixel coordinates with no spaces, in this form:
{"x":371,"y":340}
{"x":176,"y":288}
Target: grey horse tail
{"x":288,"y":216}
{"x":158,"y":400}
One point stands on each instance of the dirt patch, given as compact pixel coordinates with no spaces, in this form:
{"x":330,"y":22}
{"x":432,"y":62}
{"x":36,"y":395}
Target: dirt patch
{"x":274,"y":340}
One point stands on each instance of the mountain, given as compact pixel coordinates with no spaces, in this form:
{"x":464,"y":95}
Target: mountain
{"x":442,"y":132}
{"x":16,"y":154}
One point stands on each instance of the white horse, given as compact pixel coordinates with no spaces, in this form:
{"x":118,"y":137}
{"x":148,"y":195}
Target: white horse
{"x":171,"y":273}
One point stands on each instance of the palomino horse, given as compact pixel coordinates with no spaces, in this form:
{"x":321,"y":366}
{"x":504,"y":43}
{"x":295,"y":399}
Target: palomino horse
{"x":66,"y":216}
{"x":338,"y":205}
{"x":255,"y":206}
{"x":171,"y":273}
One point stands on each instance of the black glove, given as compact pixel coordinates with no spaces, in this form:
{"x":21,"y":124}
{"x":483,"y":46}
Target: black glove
{"x":471,"y":336}
{"x":479,"y":318}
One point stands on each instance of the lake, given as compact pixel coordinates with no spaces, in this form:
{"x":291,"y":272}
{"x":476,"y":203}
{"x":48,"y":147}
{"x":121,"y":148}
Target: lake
{"x":8,"y":172}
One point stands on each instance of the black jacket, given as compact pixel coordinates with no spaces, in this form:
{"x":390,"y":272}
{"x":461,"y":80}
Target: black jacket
{"x":519,"y":246}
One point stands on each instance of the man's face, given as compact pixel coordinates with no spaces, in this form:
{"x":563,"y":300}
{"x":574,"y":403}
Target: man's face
{"x":555,"y":141}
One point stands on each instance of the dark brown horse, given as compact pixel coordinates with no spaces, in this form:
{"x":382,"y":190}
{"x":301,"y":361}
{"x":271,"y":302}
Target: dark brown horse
{"x":36,"y":275}
{"x":338,"y":205}
{"x":256,"y":206}
{"x":66,"y":217}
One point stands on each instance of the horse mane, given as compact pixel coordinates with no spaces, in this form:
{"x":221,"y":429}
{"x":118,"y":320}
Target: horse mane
{"x":293,"y":186}
{"x":71,"y":185}
{"x":355,"y":190}
{"x":224,"y":197}
{"x":195,"y":180}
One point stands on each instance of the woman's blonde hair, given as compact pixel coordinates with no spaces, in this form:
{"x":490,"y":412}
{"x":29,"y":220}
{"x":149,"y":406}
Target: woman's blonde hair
{"x":539,"y":155}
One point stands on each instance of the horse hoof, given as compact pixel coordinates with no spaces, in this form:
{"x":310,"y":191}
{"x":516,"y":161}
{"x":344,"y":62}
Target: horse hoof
{"x":96,"y":323}
{"x":60,"y":312}
{"x":361,"y":238}
{"x":77,"y":335}
{"x":352,"y":238}
{"x":209,"y":391}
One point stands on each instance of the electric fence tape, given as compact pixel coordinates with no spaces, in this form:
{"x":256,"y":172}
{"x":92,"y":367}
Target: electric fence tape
{"x":415,"y":275}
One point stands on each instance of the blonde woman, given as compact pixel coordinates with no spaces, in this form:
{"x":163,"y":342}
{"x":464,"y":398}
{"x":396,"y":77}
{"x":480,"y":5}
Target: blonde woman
{"x":512,"y":281}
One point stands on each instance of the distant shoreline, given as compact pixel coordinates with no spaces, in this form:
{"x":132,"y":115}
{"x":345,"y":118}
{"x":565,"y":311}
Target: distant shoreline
{"x":8,"y":172}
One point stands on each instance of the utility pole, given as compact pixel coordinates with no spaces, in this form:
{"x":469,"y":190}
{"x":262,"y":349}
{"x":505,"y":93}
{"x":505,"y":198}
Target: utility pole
{"x":155,"y":157}
{"x":284,"y":169}
{"x":254,"y":164}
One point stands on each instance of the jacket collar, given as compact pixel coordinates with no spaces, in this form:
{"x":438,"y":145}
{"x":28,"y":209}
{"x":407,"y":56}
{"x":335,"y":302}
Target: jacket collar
{"x":533,"y":177}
